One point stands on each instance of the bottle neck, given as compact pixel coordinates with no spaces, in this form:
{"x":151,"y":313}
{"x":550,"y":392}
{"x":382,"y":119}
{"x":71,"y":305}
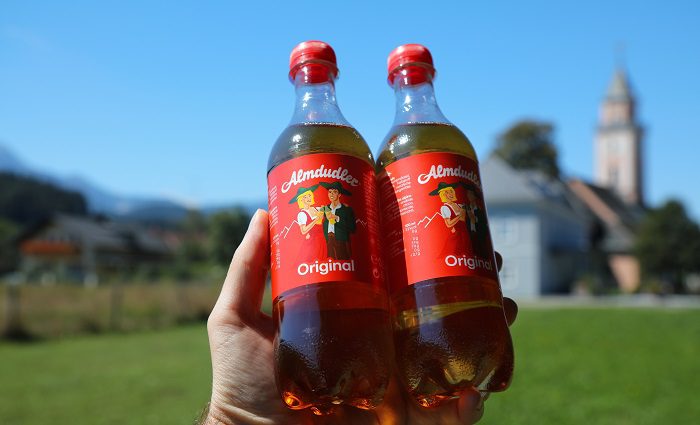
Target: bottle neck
{"x":315,"y":101}
{"x":416,"y":103}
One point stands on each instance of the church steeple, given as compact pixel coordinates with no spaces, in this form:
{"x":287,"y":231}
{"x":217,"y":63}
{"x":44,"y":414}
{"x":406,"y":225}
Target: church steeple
{"x":618,"y":144}
{"x":619,"y":89}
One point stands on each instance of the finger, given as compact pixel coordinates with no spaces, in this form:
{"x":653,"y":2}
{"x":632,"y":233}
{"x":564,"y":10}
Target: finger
{"x":393,"y":410}
{"x":470,"y":406}
{"x":510,"y":308}
{"x":499,"y":260}
{"x":242,"y":292}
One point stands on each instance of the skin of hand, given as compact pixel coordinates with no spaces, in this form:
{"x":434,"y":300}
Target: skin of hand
{"x":241,"y":344}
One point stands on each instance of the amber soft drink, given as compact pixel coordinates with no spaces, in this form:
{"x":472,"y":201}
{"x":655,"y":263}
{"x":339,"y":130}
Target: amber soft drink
{"x":330,"y":306}
{"x":450,"y":331}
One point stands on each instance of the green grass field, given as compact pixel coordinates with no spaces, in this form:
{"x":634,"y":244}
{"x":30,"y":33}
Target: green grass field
{"x":593,"y":366}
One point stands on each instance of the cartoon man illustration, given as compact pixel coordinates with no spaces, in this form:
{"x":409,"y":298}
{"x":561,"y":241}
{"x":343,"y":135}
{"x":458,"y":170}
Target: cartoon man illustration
{"x":339,"y":223}
{"x":476,"y":217}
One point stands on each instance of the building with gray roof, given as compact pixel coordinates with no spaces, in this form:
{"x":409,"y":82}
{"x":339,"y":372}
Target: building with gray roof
{"x":76,"y":248}
{"x":535,"y":225}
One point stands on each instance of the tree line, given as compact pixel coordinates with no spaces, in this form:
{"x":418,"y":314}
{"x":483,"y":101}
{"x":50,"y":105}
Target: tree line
{"x":204,"y":239}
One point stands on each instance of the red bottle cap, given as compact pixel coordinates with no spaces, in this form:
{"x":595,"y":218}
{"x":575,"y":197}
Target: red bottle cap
{"x":318,"y":59}
{"x":413,"y":62}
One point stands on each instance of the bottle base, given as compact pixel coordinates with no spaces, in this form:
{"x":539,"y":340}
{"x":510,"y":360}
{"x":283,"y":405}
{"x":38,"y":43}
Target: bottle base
{"x":295,"y":403}
{"x":451,"y":336}
{"x":329,"y":352}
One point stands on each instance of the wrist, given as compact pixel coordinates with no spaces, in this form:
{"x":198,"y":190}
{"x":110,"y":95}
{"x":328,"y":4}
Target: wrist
{"x":215,"y":414}
{"x":211,"y":415}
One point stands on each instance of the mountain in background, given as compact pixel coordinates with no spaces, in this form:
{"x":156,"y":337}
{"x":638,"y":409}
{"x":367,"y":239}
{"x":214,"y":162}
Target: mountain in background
{"x":116,"y":206}
{"x":10,"y":163}
{"x":99,"y":200}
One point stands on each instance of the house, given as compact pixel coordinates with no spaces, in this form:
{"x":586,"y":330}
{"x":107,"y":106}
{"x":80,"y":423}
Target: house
{"x":552,"y":232}
{"x":613,"y":235}
{"x":537,"y":227}
{"x":76,"y":248}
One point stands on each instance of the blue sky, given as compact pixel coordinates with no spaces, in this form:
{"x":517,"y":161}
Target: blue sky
{"x":184,"y":99}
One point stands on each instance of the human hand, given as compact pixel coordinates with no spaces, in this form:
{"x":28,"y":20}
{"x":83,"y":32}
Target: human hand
{"x":240,"y":340}
{"x":241,"y":343}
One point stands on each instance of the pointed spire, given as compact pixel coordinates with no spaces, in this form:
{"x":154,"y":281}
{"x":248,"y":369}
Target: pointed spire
{"x":619,"y":88}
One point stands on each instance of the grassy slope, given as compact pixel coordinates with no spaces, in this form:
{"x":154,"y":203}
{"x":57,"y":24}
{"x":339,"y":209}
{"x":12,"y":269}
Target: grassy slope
{"x":574,"y":367}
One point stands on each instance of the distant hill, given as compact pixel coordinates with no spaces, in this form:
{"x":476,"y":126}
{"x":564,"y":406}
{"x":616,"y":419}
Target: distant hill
{"x":99,"y":200}
{"x":248,"y":207}
{"x":10,"y":163}
{"x":25,"y":200}
{"x":116,"y":206}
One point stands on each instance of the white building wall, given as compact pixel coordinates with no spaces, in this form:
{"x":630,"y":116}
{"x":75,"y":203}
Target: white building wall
{"x":515,"y":232}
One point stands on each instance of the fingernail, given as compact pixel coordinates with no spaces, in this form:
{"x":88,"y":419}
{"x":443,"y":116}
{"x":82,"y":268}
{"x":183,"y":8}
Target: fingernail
{"x":469,"y":402}
{"x":256,"y":217}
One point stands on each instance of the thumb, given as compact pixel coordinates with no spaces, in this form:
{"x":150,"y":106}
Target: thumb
{"x":242,"y":292}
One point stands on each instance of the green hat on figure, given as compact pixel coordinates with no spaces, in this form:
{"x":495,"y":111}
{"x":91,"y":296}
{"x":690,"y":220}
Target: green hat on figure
{"x":302,"y":190}
{"x":443,"y":185}
{"x":337,"y":186}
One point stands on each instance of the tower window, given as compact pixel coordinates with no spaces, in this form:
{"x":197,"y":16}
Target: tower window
{"x":614,"y":176}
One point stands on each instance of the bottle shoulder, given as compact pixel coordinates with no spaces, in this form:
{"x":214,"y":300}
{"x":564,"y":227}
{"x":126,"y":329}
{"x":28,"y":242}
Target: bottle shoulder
{"x":311,"y":138}
{"x":405,"y":140}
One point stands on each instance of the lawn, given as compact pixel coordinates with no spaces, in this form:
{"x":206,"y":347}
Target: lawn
{"x":586,"y":366}
{"x":144,"y":378}
{"x":603,"y":366}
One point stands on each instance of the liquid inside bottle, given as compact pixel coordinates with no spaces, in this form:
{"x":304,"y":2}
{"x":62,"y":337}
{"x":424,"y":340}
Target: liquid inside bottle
{"x":333,"y":333}
{"x":450,"y":331}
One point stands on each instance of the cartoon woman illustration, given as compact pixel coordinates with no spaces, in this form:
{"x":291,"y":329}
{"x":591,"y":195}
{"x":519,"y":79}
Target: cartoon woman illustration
{"x":455,"y":216}
{"x":313,"y":246}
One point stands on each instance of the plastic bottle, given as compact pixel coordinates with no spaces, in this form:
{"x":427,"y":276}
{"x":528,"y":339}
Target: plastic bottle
{"x":450,"y":332}
{"x":330,"y":305}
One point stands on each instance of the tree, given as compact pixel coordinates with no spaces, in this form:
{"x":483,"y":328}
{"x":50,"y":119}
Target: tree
{"x":9,"y":257}
{"x":25,"y":200}
{"x":227,"y":229}
{"x":528,"y":145}
{"x":668,"y":244}
{"x":194,"y":229}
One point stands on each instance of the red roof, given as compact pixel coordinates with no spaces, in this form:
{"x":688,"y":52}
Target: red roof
{"x":43,"y":247}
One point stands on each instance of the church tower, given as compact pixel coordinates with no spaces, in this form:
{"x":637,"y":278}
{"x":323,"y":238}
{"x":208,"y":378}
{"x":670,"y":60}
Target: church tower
{"x":618,"y":143}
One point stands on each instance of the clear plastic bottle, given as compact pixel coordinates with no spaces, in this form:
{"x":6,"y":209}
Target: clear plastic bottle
{"x":450,"y":331}
{"x":330,"y":309}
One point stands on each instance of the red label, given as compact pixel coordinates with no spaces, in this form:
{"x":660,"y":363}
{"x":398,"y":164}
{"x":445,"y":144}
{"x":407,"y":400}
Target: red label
{"x":323,"y":222}
{"x":434,"y":219}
